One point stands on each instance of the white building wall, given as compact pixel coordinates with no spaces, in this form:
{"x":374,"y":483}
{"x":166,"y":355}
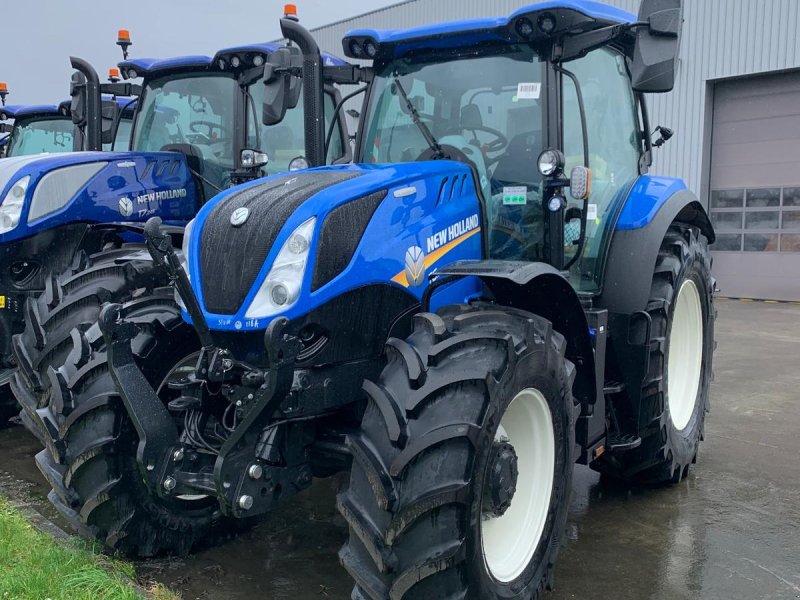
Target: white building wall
{"x":721,"y":39}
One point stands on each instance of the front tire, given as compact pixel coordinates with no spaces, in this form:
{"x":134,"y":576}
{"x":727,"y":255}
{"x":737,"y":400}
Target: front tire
{"x":462,"y":469}
{"x":71,"y":300}
{"x":90,"y":455}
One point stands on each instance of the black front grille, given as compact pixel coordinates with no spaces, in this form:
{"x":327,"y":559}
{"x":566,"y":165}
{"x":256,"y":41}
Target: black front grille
{"x":231,"y":257}
{"x":341,"y":232}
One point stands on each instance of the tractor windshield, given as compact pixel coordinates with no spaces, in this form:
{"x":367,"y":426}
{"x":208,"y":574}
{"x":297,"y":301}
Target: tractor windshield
{"x":34,"y":136}
{"x":490,"y":108}
{"x":196,"y":112}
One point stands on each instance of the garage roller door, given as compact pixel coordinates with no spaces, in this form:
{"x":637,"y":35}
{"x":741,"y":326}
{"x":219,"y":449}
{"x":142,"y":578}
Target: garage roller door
{"x":755,"y":186}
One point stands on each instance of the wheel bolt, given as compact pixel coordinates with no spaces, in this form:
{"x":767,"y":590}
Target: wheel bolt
{"x":255,"y":471}
{"x":170,"y":483}
{"x":177,"y":456}
{"x":245,"y":502}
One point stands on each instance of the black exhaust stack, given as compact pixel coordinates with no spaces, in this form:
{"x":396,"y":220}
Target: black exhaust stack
{"x":313,"y":89}
{"x":86,"y":103}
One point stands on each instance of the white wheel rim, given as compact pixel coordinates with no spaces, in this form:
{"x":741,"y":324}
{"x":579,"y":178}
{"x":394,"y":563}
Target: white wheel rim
{"x":685,"y":360}
{"x":510,"y":540}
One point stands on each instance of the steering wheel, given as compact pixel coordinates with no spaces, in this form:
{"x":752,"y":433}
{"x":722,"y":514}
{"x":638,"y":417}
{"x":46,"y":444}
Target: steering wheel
{"x":498,"y":143}
{"x":194,"y":126}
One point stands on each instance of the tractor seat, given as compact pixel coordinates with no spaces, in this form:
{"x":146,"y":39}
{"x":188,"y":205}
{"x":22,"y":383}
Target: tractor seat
{"x":518,"y":163}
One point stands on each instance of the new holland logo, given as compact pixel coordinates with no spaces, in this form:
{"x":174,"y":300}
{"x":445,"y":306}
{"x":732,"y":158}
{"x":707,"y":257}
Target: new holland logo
{"x":415,"y":266}
{"x":240,"y":216}
{"x":125,"y":207}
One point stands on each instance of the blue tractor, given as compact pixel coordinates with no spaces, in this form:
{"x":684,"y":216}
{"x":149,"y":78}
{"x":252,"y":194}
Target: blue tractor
{"x":39,"y":129}
{"x":496,"y":290}
{"x":71,"y":224}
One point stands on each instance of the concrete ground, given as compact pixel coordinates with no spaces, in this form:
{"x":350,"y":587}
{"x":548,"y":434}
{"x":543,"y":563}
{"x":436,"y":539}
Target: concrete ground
{"x":730,"y":532}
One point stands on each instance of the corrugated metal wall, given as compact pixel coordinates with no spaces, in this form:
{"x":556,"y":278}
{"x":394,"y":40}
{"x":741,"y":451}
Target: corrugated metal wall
{"x":721,"y":39}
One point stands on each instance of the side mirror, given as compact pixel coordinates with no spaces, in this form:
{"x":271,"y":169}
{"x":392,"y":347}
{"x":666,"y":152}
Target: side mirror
{"x":110,"y":111}
{"x":281,"y":92}
{"x":77,"y":107}
{"x":657,"y":44}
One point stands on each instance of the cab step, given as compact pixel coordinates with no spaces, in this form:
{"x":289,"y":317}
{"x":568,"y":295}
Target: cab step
{"x":622,"y":442}
{"x":613,"y":387}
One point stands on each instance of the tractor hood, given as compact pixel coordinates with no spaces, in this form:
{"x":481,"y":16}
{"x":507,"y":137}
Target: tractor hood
{"x":46,"y":191}
{"x":289,"y":244}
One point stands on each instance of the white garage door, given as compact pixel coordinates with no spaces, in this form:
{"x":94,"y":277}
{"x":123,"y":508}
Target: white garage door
{"x":755,"y":186}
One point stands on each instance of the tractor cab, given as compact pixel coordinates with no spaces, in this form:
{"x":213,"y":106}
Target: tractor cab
{"x":49,"y":128}
{"x":36,"y":129}
{"x":523,"y":101}
{"x":210,"y":109}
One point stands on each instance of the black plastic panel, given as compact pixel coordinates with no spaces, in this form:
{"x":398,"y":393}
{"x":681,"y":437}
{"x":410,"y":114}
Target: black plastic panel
{"x":341,"y":232}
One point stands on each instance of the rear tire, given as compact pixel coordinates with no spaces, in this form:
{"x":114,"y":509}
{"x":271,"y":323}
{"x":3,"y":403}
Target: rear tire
{"x":674,"y":404}
{"x":90,"y":455}
{"x":419,"y":504}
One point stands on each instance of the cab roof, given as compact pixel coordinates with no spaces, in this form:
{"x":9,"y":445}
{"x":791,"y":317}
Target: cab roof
{"x":151,"y":67}
{"x":16,"y":111}
{"x":580,"y":15}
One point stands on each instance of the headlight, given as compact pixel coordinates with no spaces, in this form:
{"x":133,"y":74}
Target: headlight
{"x":11,"y":207}
{"x":281,"y":288}
{"x":184,"y":258}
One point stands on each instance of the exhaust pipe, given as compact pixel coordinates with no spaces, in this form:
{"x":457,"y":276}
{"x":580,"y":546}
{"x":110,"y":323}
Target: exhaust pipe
{"x":89,"y":116}
{"x":313,"y":90}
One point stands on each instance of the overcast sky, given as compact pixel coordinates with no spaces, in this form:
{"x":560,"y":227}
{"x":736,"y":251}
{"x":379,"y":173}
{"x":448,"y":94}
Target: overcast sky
{"x":40,"y":35}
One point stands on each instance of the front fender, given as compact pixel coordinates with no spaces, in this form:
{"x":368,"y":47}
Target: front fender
{"x":540,"y":289}
{"x":635,"y":244}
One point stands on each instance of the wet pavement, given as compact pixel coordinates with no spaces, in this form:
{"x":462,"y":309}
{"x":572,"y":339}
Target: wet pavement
{"x":731,"y":531}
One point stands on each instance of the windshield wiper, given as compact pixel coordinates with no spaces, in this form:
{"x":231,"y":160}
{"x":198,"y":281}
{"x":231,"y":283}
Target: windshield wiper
{"x":426,"y":133}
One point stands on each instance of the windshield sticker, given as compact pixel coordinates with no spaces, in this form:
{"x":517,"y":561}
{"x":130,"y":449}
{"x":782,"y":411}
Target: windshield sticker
{"x":591,"y":212}
{"x":515,"y":195}
{"x":529,"y":91}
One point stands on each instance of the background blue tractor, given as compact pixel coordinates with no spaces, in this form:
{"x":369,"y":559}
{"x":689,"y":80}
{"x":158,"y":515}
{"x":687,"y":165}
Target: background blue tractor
{"x":440,"y":318}
{"x":49,"y":129}
{"x":69,"y":224}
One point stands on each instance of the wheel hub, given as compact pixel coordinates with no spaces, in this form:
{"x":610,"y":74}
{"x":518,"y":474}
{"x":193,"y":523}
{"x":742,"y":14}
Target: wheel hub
{"x":501,"y":479}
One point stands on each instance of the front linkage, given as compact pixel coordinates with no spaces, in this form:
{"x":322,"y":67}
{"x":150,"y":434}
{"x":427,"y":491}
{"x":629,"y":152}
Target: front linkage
{"x":240,"y":453}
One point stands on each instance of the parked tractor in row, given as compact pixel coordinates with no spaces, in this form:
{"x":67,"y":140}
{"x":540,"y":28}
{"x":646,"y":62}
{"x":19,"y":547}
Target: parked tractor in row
{"x":497,"y":289}
{"x":71,"y":224}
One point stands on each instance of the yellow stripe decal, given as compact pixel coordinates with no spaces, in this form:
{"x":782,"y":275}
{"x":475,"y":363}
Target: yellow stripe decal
{"x":434,"y":256}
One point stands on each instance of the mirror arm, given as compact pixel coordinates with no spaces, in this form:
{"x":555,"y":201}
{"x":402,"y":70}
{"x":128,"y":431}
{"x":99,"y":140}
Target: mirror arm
{"x":577,"y":46}
{"x":347,"y":74}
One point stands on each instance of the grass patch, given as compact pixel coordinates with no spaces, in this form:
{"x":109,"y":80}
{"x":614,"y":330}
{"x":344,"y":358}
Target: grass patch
{"x":34,"y":566}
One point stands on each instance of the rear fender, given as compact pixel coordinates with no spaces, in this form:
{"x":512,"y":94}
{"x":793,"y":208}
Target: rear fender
{"x":540,"y":289}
